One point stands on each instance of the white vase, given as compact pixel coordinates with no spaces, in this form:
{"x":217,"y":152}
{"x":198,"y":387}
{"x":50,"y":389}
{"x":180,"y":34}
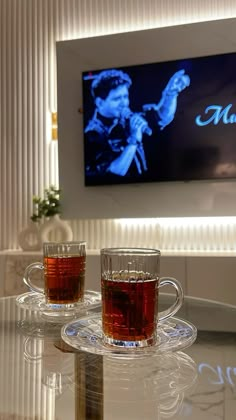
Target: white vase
{"x":56,"y":224}
{"x":30,"y":238}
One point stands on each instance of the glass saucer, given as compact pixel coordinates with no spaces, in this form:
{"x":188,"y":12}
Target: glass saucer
{"x":85,"y":334}
{"x":34,"y":301}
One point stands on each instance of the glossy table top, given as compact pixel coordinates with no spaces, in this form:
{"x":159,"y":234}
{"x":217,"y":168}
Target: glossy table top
{"x":43,"y":378}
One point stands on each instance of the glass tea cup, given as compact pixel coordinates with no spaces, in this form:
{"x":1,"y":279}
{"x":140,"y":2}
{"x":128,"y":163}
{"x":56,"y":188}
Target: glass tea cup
{"x":130,"y":283}
{"x":63,"y":272}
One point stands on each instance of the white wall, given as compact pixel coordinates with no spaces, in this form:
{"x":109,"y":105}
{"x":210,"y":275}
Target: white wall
{"x":28,"y":31}
{"x":150,"y":199}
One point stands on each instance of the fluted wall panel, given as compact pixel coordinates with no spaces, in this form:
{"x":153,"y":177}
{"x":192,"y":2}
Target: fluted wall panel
{"x":182,"y":234}
{"x":22,"y":360}
{"x":29,"y":160}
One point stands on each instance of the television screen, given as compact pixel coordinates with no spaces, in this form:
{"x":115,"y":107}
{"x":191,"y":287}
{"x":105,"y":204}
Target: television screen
{"x":165,"y":121}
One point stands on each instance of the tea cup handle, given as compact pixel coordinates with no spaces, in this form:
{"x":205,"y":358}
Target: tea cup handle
{"x":26,"y":278}
{"x":170,"y":281}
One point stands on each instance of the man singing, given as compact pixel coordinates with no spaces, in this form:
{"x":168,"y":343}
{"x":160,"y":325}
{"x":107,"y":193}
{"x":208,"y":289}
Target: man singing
{"x":114,"y":135}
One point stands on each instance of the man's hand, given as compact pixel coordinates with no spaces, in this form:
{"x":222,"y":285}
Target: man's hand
{"x":138,"y":125}
{"x":166,"y":108}
{"x":177,"y":83}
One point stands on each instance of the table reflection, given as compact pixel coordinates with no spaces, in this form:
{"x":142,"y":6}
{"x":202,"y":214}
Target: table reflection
{"x":42,"y":378}
{"x":147,"y":388}
{"x":152,"y":387}
{"x":104,"y":387}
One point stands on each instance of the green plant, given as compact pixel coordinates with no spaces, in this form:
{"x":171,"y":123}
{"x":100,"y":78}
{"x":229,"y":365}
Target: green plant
{"x":48,"y":206}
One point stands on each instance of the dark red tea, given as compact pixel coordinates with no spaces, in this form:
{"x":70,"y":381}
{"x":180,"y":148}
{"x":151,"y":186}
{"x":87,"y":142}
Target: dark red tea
{"x":129,"y":309}
{"x":64,"y":279}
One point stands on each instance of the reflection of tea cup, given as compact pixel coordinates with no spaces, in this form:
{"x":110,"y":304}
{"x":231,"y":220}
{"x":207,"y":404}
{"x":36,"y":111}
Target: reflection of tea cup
{"x":56,"y":366}
{"x":33,"y":348}
{"x":35,"y":333}
{"x":130,"y":284}
{"x":150,"y":388}
{"x":64,"y":274}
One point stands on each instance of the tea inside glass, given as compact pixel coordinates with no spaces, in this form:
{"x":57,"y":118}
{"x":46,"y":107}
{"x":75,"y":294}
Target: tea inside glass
{"x":64,"y":273}
{"x":64,"y":278}
{"x":130,"y":285}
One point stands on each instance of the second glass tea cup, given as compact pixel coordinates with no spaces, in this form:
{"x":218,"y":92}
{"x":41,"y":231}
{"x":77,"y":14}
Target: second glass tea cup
{"x":63,"y":273}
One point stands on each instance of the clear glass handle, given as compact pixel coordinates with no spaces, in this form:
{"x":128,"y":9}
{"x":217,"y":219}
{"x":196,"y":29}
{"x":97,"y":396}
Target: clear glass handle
{"x":170,"y":281}
{"x":26,"y":278}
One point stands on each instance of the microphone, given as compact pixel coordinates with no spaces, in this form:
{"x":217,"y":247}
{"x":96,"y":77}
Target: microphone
{"x":126,"y":114}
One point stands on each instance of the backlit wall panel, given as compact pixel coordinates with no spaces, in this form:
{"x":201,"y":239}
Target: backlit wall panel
{"x":29,"y":159}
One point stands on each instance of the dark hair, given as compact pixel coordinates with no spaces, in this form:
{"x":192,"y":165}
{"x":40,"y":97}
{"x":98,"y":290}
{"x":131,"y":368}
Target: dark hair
{"x":108,"y":80}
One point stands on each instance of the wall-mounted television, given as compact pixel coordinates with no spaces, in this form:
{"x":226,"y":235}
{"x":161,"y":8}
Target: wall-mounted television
{"x":184,"y":161}
{"x":164,"y":121}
